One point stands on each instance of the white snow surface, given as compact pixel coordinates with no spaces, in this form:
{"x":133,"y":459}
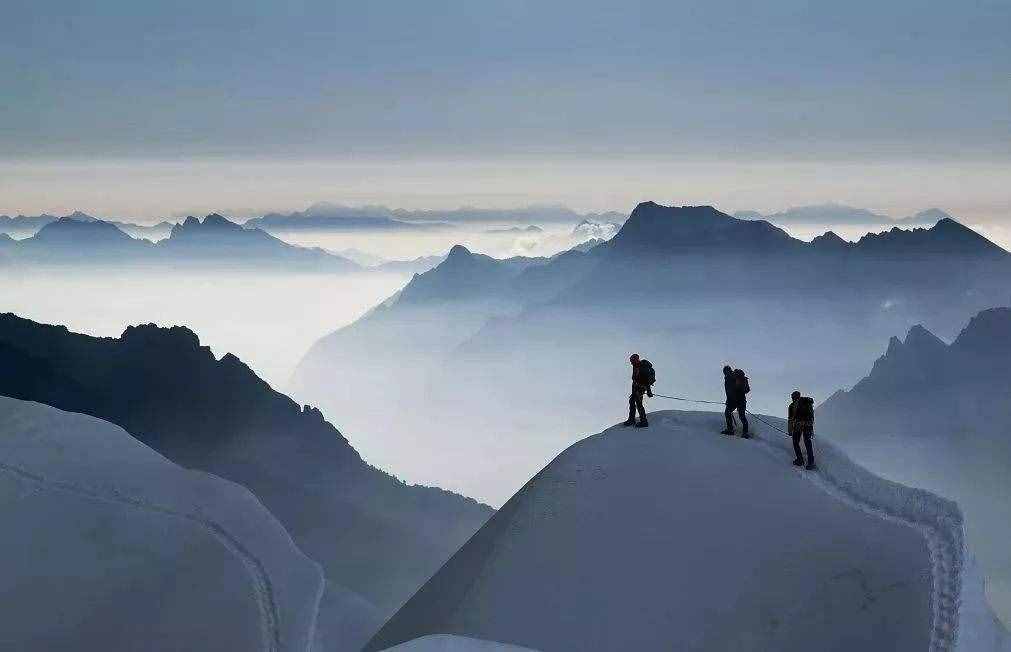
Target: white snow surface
{"x":450,"y":643}
{"x":107,"y":545}
{"x":676,"y":537}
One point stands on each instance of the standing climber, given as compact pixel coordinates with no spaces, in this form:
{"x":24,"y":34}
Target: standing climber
{"x":736,"y":386}
{"x":643,"y":377}
{"x":800,"y":420}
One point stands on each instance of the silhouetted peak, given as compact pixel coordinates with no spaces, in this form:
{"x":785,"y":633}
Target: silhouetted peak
{"x":923,"y":341}
{"x":70,"y":228}
{"x":946,"y":237}
{"x":919,"y":342}
{"x":82,"y":217}
{"x":949,"y":225}
{"x":152,"y":335}
{"x":213,"y":223}
{"x":660,"y":229}
{"x":458,"y":252}
{"x":988,"y":333}
{"x":830,"y":241}
{"x":216,"y":221}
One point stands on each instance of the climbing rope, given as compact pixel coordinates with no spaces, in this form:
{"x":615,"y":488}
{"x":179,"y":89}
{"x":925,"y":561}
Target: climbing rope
{"x":696,"y":400}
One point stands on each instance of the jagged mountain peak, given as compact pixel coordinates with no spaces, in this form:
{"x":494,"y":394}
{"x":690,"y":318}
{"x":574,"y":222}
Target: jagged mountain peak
{"x":947,"y":236}
{"x":922,"y":339}
{"x":830,"y":240}
{"x":175,"y":337}
{"x":213,"y":222}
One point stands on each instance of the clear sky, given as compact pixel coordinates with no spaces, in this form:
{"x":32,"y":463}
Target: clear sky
{"x":153,"y":109}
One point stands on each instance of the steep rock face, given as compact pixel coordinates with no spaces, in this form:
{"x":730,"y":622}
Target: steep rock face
{"x":913,"y":372}
{"x":372,"y":533}
{"x":108,"y":544}
{"x":633,"y":541}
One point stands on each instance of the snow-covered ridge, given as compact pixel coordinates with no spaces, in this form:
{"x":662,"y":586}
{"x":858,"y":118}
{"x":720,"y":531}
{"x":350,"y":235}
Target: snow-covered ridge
{"x":712,"y":544}
{"x":937,"y":519}
{"x":104,"y":493}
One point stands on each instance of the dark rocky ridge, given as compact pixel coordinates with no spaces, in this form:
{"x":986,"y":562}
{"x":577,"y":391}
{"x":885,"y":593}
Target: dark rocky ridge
{"x":372,"y":533}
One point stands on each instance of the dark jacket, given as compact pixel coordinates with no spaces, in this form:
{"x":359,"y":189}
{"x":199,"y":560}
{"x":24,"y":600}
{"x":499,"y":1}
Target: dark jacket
{"x":730,"y":386}
{"x":638,"y":384}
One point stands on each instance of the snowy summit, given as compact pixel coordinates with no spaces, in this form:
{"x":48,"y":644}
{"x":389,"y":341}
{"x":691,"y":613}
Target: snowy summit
{"x":677,"y":538}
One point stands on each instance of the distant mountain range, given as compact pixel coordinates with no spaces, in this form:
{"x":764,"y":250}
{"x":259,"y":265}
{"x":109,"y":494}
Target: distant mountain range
{"x":23,"y":226}
{"x":214,"y":242}
{"x":691,"y":287}
{"x":374,"y":535}
{"x":838,"y":215}
{"x":334,"y":217}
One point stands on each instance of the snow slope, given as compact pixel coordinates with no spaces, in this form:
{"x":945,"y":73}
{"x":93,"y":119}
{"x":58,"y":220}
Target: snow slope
{"x":679,"y":538}
{"x":108,"y":545}
{"x":450,"y":643}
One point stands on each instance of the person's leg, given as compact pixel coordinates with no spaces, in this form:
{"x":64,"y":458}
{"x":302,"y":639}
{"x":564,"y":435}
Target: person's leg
{"x":799,"y":459}
{"x":742,"y":410}
{"x":809,"y":446}
{"x":640,"y":407}
{"x":728,"y":414}
{"x":631,"y":409}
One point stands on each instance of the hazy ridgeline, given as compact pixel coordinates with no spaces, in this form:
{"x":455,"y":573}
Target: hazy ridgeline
{"x":479,"y":370}
{"x":244,"y":291}
{"x":268,"y":320}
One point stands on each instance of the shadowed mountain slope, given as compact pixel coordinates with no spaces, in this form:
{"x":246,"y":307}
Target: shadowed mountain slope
{"x":372,"y":533}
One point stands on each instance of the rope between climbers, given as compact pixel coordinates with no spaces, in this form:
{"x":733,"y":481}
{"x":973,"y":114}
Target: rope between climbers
{"x":696,"y":400}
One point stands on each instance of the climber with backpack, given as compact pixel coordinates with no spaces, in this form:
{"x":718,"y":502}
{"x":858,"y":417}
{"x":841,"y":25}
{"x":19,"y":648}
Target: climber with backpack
{"x":800,"y":420}
{"x":643,"y":377}
{"x":737,"y":387}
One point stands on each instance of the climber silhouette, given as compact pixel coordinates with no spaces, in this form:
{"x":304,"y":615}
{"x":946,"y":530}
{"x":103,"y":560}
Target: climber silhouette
{"x":735,"y":383}
{"x":800,"y":420}
{"x":643,"y":377}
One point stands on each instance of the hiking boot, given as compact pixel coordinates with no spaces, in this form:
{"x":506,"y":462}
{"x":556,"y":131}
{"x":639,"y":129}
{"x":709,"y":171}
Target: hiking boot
{"x":727,"y":432}
{"x":629,"y":422}
{"x":811,"y":466}
{"x":642,"y":424}
{"x":746,"y":436}
{"x":798,"y":462}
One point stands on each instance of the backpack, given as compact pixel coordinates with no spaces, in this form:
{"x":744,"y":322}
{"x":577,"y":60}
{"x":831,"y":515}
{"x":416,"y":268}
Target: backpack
{"x":647,"y":374}
{"x":742,"y":381}
{"x":805,"y":409}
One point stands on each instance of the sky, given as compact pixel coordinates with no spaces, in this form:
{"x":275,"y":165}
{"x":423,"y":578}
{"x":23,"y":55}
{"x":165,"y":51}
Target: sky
{"x":157,"y":109}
